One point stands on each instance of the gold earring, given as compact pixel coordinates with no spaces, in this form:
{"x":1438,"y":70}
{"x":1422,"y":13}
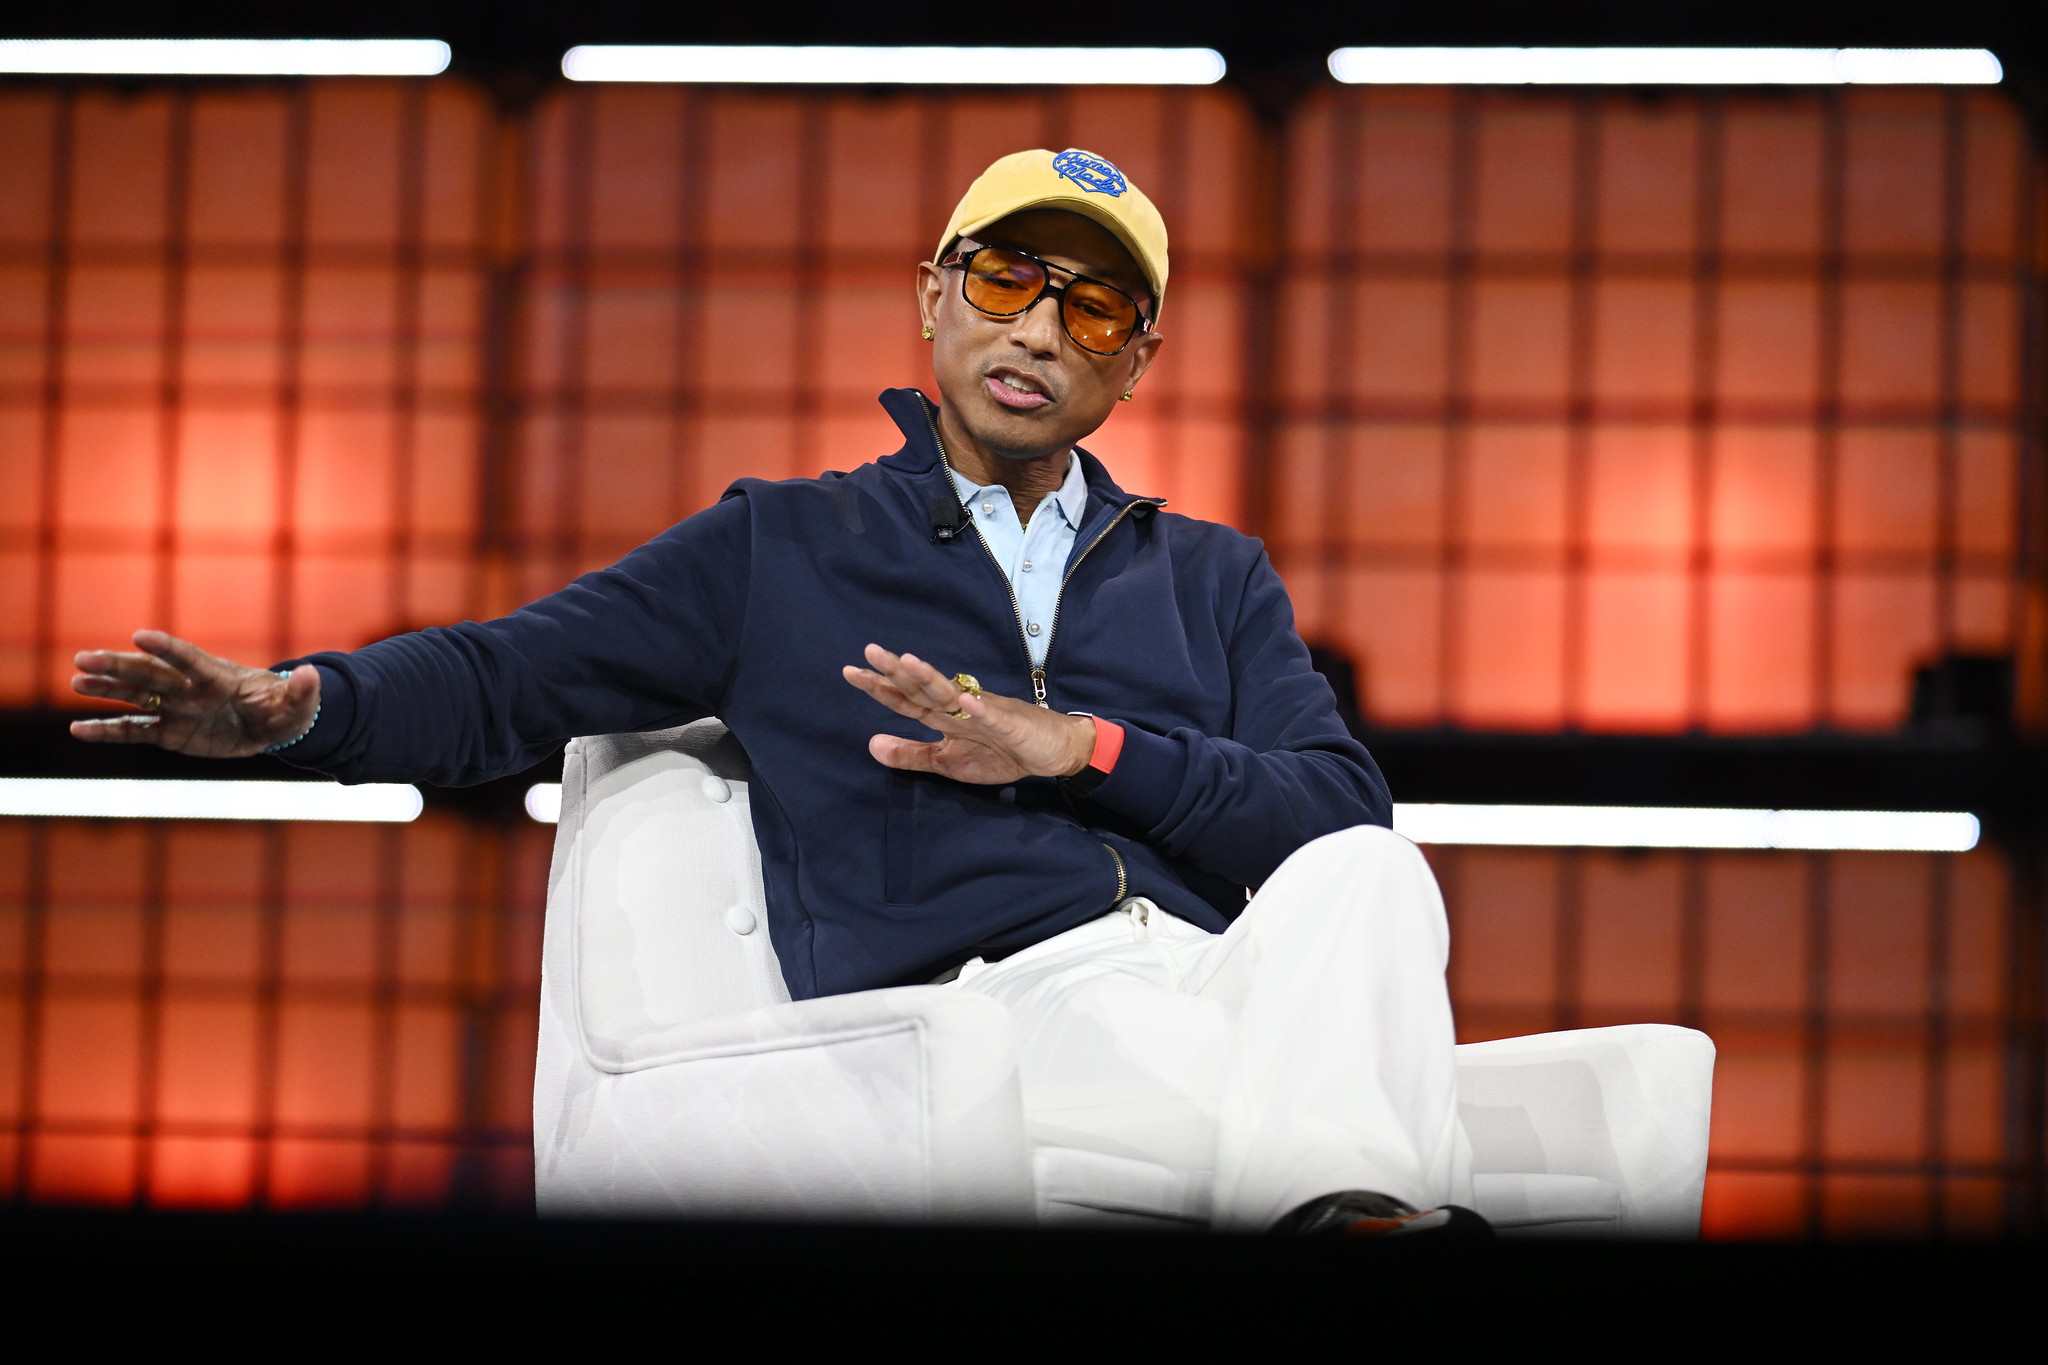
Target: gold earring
{"x":1127,"y":396}
{"x":927,"y":332}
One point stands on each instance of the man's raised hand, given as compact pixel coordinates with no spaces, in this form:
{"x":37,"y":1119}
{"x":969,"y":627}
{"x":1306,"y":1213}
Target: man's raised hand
{"x":191,"y":702}
{"x":1000,"y":739}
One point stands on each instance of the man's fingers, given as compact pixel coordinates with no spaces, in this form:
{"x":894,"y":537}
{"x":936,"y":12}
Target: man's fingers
{"x":130,"y":678}
{"x":113,"y":689}
{"x":914,"y":676}
{"x":139,"y":669}
{"x":900,"y":692}
{"x":182,"y":655}
{"x":886,"y":691}
{"x":118,"y":730}
{"x":921,"y":684}
{"x":868,"y":680}
{"x":874,"y":684}
{"x":927,"y":682}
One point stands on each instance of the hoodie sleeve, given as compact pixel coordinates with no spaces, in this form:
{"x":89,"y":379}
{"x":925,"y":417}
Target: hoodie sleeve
{"x":1289,"y":771}
{"x":648,"y":642}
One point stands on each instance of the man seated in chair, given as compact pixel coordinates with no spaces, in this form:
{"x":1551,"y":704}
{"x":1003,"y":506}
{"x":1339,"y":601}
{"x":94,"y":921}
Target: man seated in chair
{"x":1011,"y":728}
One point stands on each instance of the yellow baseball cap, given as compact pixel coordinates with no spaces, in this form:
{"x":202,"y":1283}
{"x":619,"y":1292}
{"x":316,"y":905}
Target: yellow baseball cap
{"x":1080,"y":182}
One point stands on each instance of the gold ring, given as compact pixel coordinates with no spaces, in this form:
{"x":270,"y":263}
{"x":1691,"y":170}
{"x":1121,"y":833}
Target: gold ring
{"x":959,"y":715}
{"x":152,"y":701}
{"x":966,"y":683}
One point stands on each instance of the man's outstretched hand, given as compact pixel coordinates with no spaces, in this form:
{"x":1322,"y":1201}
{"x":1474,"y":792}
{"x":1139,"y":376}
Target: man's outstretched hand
{"x":1000,"y":740}
{"x":191,"y":702}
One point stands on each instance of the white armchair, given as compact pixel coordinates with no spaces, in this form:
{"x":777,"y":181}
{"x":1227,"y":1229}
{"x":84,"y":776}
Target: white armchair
{"x":676,"y":1077}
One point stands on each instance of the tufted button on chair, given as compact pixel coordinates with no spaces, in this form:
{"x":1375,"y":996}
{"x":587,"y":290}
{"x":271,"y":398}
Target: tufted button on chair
{"x":676,"y":1077}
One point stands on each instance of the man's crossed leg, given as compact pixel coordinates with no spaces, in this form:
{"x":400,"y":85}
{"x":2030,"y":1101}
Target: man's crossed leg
{"x":1304,"y":1052}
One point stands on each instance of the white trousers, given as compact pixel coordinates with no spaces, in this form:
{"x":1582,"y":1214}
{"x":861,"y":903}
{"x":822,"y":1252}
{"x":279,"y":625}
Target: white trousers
{"x":1305,"y":1050}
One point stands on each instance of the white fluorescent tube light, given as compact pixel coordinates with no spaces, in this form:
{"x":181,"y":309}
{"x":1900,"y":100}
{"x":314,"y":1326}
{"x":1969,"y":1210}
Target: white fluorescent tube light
{"x":1625,"y":826}
{"x":1664,"y":66}
{"x":1688,"y":827}
{"x":898,"y":65}
{"x":120,"y":798}
{"x":223,"y":56}
{"x":544,"y":802}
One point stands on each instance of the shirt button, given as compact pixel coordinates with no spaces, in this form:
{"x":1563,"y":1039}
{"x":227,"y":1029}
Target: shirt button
{"x":1027,"y":566}
{"x":988,"y":509}
{"x":1031,"y":629}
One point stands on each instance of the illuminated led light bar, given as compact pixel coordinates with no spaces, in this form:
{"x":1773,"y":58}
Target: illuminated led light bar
{"x":544,"y":802}
{"x":1664,"y":66}
{"x":1895,"y":831}
{"x":897,"y":65}
{"x":1688,"y":827}
{"x":120,"y":798}
{"x":223,"y":56}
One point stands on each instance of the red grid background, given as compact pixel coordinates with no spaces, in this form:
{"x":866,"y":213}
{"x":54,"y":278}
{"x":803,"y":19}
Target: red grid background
{"x":1702,"y":413}
{"x":1653,"y":415}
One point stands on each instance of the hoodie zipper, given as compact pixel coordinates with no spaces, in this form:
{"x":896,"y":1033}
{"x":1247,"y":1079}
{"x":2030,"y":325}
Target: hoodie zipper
{"x":1038,"y":679}
{"x":1038,"y":674}
{"x":1123,"y":880}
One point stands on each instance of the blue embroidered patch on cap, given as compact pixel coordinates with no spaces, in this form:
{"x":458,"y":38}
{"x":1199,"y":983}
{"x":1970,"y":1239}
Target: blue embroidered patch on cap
{"x":1091,"y":173}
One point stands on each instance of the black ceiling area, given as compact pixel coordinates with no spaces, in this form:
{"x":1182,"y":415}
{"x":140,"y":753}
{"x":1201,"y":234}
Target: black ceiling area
{"x":1275,"y":52}
{"x":1257,"y":38}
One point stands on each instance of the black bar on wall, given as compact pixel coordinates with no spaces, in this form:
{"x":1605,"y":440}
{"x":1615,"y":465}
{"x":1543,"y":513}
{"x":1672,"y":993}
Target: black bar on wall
{"x":1340,"y":445}
{"x":1582,"y":281}
{"x":1461,"y":301}
{"x":298,"y":171}
{"x":1703,"y":408}
{"x":410,"y":260}
{"x":1827,"y":415}
{"x":567,"y":396}
{"x":56,"y":321}
{"x":685,"y":404}
{"x":1263,"y":208}
{"x":505,"y":259}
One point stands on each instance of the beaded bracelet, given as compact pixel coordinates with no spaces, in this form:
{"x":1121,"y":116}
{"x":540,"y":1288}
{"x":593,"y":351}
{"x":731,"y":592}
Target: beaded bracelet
{"x":286,"y":673}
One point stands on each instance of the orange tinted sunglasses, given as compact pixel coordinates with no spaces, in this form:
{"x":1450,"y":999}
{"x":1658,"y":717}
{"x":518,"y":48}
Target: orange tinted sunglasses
{"x":1098,"y":316}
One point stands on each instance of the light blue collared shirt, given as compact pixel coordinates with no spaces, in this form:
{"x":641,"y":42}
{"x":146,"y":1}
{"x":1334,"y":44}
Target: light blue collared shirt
{"x":1034,"y":557}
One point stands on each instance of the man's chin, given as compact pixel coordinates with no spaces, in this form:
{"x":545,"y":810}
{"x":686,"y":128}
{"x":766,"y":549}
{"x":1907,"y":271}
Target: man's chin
{"x":1016,"y":434}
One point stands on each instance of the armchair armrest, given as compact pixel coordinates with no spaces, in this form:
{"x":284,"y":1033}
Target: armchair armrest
{"x":885,"y":1104}
{"x":1628,"y":1104}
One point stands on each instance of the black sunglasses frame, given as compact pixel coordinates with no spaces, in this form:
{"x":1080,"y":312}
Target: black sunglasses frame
{"x":961,"y":260}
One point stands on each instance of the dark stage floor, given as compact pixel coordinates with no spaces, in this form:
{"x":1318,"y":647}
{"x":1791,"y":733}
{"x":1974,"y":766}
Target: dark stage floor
{"x":302,"y":1283}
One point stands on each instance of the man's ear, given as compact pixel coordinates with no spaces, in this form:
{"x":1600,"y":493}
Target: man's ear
{"x":1144,"y":350}
{"x":931,"y":287}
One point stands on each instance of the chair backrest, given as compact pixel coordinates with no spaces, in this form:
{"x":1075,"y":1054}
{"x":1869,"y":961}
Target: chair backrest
{"x":656,"y":884}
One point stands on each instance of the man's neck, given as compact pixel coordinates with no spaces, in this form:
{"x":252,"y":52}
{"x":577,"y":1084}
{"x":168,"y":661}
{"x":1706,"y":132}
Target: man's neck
{"x":1027,"y":481}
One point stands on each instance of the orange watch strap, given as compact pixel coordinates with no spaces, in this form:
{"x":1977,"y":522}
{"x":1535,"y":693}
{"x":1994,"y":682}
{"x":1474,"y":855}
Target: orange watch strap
{"x":1109,"y":742}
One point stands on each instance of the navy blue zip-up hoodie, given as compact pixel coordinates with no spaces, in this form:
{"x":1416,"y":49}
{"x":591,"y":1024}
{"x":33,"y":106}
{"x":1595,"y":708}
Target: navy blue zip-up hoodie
{"x":1177,"y":629}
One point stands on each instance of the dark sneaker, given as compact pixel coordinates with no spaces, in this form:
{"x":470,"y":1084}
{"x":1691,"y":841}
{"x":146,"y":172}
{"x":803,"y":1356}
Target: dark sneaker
{"x":1367,"y":1213}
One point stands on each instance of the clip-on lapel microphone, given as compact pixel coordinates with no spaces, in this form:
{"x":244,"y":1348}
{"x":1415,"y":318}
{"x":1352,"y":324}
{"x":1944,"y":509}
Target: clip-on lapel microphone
{"x":949,"y":518}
